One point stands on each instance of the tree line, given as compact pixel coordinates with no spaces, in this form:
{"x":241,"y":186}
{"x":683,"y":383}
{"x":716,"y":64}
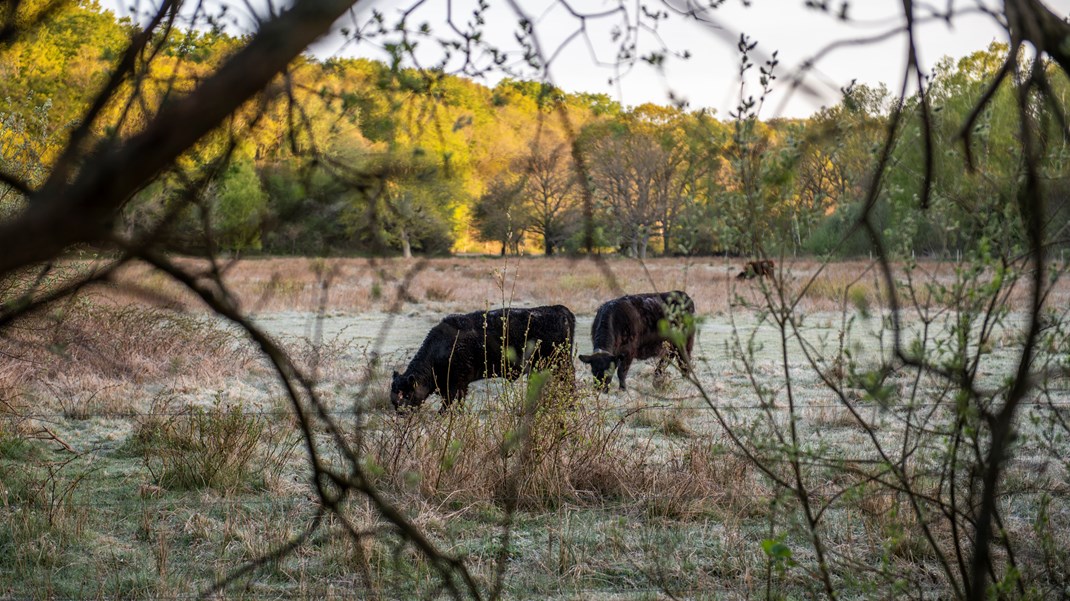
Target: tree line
{"x":359,"y":156}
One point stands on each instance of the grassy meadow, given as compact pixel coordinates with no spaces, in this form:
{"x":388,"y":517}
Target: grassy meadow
{"x":148,"y":449}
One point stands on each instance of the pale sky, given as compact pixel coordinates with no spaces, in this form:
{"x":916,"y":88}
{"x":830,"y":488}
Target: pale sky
{"x":710,"y":77}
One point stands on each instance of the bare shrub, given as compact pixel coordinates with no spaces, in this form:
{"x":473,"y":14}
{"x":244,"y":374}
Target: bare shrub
{"x":670,"y":420}
{"x":84,"y":397}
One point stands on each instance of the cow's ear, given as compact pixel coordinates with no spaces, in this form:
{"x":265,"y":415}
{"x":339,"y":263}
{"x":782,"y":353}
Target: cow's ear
{"x":396,"y":374}
{"x":619,"y":358}
{"x":412,"y":379}
{"x":585,"y":358}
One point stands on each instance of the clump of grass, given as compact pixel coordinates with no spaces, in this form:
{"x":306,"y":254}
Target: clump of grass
{"x":674,"y":424}
{"x":85,"y":396}
{"x":831,"y":289}
{"x":277,"y":286}
{"x":667,"y":420}
{"x":221,"y":447}
{"x":438,"y":292}
{"x":376,"y":392}
{"x":704,"y":479}
{"x":860,"y":297}
{"x":825,"y":415}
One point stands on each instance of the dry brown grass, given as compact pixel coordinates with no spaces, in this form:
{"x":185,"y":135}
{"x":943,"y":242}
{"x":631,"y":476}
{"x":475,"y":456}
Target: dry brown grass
{"x":831,"y":414}
{"x":92,"y":335}
{"x":94,"y":357}
{"x":579,"y":454}
{"x":267,"y":285}
{"x":582,"y":284}
{"x":704,"y":478}
{"x":570,"y":453}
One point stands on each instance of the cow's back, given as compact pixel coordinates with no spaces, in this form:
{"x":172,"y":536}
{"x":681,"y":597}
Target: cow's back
{"x":532,"y":333}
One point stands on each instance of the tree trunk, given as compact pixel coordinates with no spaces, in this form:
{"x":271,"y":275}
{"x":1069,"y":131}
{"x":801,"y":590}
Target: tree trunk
{"x":406,"y":248}
{"x":503,"y":248}
{"x":548,"y":244}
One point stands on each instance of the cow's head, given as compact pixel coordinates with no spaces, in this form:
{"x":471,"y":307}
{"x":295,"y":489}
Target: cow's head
{"x":603,"y":364}
{"x":407,"y":391}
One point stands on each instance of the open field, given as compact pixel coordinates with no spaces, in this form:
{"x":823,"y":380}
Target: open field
{"x":437,"y":286}
{"x":147,"y":449}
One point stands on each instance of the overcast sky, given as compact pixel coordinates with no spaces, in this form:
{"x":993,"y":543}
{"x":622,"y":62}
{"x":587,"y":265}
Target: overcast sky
{"x":710,"y":78}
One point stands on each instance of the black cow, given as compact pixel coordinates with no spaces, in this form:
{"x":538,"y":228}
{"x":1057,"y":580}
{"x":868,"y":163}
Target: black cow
{"x":626,"y":329}
{"x":467,"y":347}
{"x":762,"y":268}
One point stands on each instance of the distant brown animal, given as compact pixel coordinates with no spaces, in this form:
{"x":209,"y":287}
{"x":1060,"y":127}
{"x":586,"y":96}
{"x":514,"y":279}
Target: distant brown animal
{"x":762,"y":268}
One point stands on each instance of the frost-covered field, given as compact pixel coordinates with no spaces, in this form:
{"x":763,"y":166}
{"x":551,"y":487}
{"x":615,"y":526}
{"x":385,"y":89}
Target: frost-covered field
{"x":148,"y":449}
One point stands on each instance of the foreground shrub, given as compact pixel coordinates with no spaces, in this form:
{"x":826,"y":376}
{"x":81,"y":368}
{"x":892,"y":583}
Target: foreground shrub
{"x":561,"y":446}
{"x":549,"y":446}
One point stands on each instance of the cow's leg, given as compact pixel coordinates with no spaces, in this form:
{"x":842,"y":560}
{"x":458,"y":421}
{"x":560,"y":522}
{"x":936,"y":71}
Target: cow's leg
{"x":456,"y":392}
{"x":622,"y":371}
{"x":457,"y":381}
{"x":664,"y":355}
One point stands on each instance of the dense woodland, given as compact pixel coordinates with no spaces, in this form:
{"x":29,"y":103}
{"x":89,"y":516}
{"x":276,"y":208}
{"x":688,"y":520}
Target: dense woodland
{"x":362,"y":157}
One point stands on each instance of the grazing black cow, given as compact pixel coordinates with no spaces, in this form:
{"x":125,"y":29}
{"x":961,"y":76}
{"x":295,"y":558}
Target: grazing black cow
{"x":467,"y":347}
{"x":626,"y":329}
{"x":762,"y":268}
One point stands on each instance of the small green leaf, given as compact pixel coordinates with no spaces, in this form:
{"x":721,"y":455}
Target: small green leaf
{"x":776,"y":550}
